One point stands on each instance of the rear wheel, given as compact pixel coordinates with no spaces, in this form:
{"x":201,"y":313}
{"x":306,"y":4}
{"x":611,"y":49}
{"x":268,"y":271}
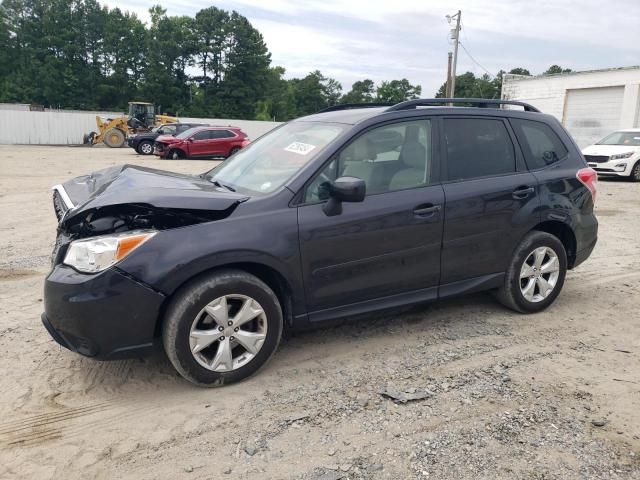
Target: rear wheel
{"x":535,"y":275}
{"x":145,"y":147}
{"x":222,"y":328}
{"x":233,"y":150}
{"x":635,"y":172}
{"x":114,"y":138}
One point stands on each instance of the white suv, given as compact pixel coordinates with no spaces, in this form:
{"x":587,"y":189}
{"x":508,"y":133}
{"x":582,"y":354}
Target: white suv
{"x":617,"y":154}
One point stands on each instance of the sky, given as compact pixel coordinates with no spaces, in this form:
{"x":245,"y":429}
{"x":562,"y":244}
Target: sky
{"x":350,"y":40}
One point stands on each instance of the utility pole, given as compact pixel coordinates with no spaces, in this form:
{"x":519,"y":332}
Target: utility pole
{"x":455,"y":36}
{"x":447,"y":92}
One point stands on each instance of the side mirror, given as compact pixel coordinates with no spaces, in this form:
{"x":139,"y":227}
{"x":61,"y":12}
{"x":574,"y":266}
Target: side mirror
{"x":344,"y":189}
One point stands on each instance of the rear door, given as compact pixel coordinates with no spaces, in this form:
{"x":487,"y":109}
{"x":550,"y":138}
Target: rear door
{"x":221,"y":142}
{"x":491,"y":199}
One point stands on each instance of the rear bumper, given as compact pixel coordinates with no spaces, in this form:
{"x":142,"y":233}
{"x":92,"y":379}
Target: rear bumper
{"x":586,"y":232}
{"x":583,"y":254}
{"x":105,"y":316}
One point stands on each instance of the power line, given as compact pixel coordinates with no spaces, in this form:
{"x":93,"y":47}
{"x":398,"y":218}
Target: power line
{"x":466,"y":39}
{"x":475,"y":61}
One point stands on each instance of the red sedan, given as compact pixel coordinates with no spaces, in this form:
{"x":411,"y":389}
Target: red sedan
{"x":201,"y":142}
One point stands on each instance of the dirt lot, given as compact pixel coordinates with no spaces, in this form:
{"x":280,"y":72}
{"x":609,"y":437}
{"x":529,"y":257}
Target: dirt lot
{"x":554,"y":395}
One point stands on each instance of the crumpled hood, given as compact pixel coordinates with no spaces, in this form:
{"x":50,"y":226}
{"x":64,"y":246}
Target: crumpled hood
{"x":130,"y":184}
{"x":168,"y":139}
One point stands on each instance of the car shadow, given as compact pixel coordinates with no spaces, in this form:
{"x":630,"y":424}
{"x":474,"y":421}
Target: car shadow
{"x":442,"y":321}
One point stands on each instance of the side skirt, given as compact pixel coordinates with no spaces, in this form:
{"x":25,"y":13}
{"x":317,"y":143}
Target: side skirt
{"x":477,"y":284}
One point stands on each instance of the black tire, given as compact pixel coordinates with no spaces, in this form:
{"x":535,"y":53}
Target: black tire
{"x":510,"y":294}
{"x":233,"y":151}
{"x":175,"y":154}
{"x":192,"y":298}
{"x":635,"y":172}
{"x":114,"y":138}
{"x":145,"y":147}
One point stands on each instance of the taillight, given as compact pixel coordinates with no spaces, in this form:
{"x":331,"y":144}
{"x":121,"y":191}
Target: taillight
{"x":589,"y":178}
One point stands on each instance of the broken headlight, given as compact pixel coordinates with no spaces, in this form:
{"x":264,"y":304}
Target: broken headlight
{"x":95,"y":254}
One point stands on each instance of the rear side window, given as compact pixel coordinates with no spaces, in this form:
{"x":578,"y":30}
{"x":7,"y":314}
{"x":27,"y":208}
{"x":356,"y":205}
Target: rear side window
{"x":540,"y":144}
{"x":477,"y":147}
{"x":221,"y":134}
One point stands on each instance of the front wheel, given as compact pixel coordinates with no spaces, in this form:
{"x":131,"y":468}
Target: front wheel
{"x":114,"y":138}
{"x":535,"y":275}
{"x":635,"y":172}
{"x":145,"y":147}
{"x":175,"y":155}
{"x":222,"y":328}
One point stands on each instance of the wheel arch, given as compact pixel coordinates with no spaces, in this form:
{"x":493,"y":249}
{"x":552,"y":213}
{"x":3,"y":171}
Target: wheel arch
{"x":564,"y":233}
{"x":266,"y":273}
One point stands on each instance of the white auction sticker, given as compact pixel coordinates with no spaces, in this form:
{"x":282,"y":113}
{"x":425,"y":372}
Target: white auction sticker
{"x":300,"y":148}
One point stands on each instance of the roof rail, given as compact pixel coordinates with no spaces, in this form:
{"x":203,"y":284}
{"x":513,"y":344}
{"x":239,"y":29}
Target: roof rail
{"x":348,"y":106}
{"x":475,"y":102}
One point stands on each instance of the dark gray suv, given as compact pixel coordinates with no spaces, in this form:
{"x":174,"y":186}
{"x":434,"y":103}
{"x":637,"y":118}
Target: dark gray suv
{"x":143,"y":142}
{"x":344,"y":212}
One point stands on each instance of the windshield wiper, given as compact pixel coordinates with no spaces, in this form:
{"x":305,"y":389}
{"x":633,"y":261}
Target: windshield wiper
{"x":222,"y":185}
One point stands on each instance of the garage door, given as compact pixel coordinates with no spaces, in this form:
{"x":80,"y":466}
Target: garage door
{"x":592,"y":113}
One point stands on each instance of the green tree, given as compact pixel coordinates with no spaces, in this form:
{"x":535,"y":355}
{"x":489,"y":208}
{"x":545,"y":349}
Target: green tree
{"x":362,"y":91}
{"x":245,"y":69}
{"x":397,"y":91}
{"x":555,"y":69}
{"x":519,"y":71}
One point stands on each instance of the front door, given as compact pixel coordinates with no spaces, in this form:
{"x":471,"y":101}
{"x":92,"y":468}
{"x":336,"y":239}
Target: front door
{"x":491,"y":200}
{"x":199,"y":146}
{"x":386,"y":249}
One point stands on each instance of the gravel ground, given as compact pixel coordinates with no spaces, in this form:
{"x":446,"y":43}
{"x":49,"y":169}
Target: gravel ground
{"x":501,"y":395}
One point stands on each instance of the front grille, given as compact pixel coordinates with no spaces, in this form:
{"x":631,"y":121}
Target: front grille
{"x":58,"y":205}
{"x":596,"y":158}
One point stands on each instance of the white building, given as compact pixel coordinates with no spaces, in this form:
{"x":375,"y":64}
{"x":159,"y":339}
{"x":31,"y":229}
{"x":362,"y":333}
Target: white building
{"x":589,"y":104}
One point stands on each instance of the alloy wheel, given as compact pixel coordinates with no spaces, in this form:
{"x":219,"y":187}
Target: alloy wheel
{"x":228,"y":333}
{"x":146,"y":148}
{"x":539,"y":274}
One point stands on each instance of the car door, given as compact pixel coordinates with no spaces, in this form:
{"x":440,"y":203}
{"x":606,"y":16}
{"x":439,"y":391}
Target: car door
{"x":219,"y":145}
{"x":199,"y":144}
{"x":491,"y":199}
{"x":384,"y":251}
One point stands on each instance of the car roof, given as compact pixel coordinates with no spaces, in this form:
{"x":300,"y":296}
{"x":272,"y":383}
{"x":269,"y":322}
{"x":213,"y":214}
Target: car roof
{"x":351,"y":116}
{"x":353,"y":113}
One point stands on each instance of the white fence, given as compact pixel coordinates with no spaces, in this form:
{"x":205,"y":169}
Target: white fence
{"x":19,"y":127}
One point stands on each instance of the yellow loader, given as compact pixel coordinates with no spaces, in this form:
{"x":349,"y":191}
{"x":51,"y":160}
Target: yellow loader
{"x":113,"y":131}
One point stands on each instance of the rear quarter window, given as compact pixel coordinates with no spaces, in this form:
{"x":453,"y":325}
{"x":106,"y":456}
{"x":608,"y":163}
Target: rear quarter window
{"x":540,"y":144}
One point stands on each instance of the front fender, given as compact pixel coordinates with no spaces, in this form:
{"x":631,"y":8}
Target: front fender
{"x":172,"y":257}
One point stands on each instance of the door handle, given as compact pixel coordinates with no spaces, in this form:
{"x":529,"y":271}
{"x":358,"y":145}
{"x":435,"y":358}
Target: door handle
{"x":522,"y":192}
{"x":426,"y":210}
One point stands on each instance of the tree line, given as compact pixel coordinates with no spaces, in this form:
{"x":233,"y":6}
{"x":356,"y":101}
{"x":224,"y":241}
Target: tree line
{"x":81,"y":55}
{"x":468,"y":85}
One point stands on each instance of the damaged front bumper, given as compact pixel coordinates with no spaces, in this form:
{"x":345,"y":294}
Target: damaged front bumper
{"x":107,"y":316}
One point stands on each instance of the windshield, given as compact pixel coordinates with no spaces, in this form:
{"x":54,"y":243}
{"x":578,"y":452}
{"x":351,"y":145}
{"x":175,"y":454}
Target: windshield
{"x":270,"y":161}
{"x":187,"y":133}
{"x":631,"y":139}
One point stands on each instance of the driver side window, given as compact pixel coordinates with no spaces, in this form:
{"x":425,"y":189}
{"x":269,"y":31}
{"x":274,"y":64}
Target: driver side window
{"x":388,"y":158}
